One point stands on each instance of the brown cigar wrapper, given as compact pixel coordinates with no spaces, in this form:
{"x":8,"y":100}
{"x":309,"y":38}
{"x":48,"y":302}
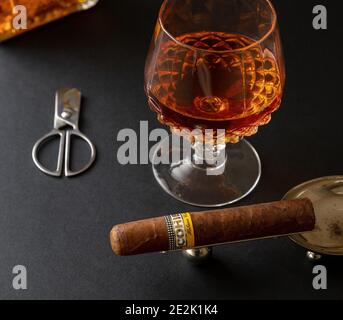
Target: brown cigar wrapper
{"x":218,"y":226}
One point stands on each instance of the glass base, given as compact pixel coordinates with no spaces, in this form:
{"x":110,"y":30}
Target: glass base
{"x":204,"y":186}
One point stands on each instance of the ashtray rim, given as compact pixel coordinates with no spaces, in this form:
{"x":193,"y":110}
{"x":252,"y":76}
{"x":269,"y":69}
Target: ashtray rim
{"x":295,"y":193}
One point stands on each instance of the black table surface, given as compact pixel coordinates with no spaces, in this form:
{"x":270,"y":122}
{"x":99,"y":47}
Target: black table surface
{"x":59,"y":228}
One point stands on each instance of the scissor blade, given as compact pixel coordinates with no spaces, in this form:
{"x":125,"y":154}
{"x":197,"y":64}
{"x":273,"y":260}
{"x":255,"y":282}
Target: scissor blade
{"x":68,"y":107}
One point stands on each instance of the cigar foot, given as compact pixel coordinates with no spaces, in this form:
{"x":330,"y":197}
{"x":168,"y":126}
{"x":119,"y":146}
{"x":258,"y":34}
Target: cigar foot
{"x":115,"y":241}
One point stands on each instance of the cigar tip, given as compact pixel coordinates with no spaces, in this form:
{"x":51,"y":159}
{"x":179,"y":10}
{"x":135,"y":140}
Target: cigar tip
{"x":115,"y":241}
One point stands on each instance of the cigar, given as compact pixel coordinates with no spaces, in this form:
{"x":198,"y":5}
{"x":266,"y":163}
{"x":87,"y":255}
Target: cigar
{"x":183,"y":231}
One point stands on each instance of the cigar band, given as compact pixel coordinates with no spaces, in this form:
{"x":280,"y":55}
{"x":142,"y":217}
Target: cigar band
{"x":180,"y":231}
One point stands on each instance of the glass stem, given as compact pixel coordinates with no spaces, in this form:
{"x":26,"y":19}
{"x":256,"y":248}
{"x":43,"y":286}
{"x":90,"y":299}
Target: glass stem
{"x":208,"y":155}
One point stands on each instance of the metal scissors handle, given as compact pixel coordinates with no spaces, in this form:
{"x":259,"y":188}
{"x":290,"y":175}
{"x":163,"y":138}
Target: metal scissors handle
{"x":67,"y":113}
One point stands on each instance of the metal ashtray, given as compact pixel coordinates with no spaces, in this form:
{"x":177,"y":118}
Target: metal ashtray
{"x":326,"y":195}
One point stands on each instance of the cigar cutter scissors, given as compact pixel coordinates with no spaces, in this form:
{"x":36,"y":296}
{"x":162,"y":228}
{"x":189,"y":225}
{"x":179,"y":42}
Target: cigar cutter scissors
{"x":66,"y":125}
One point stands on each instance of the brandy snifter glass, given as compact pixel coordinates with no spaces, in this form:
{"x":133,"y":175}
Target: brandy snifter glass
{"x":213,"y":65}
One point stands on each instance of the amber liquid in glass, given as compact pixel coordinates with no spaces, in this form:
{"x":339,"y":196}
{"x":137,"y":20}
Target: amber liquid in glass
{"x":222,"y":88}
{"x":39,"y":12}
